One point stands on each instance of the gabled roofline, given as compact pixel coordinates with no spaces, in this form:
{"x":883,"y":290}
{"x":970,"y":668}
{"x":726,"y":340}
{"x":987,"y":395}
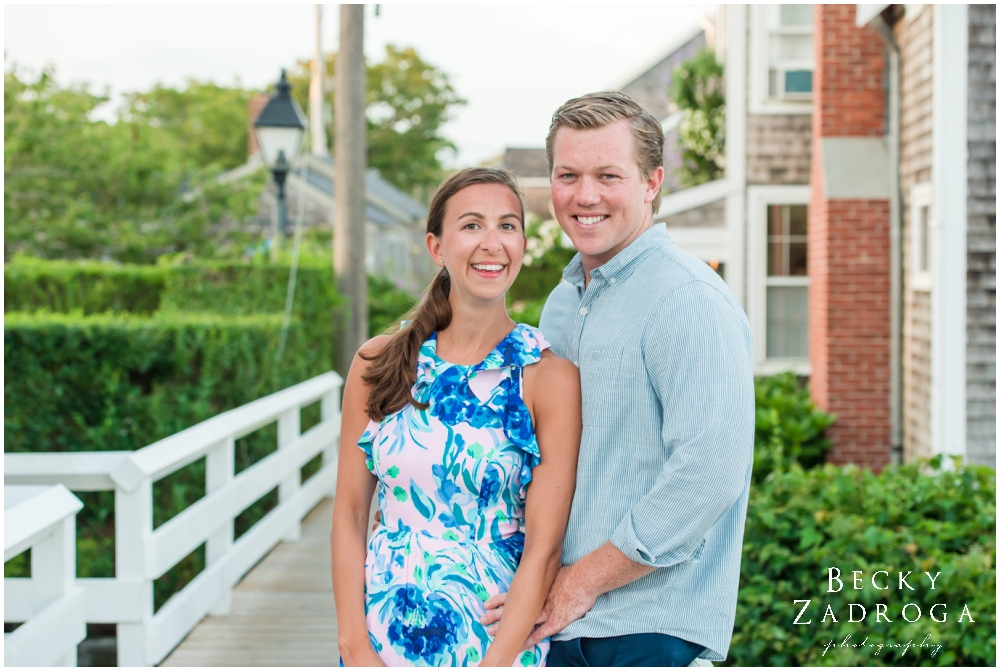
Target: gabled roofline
{"x":378,"y":192}
{"x":683,"y":39}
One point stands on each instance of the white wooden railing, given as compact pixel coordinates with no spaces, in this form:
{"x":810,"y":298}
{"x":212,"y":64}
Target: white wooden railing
{"x":49,"y":604}
{"x":143,"y":554}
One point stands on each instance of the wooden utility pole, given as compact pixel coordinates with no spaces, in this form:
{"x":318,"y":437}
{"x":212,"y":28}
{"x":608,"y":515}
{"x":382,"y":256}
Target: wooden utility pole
{"x":349,"y":185}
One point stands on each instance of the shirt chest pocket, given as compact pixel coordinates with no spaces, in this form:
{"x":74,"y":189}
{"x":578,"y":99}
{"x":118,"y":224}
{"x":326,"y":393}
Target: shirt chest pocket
{"x":603,"y":382}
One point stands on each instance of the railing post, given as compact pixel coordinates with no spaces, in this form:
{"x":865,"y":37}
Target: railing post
{"x":219,"y":472}
{"x":330,"y":407}
{"x":133,"y":527}
{"x":53,"y":572}
{"x":53,"y":564}
{"x":289,"y":430}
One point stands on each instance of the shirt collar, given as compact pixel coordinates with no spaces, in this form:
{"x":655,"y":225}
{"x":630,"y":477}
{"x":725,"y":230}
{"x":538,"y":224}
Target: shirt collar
{"x":655,"y":236}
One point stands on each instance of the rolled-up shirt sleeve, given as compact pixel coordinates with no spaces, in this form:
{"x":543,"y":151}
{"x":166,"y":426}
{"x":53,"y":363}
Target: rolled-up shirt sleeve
{"x":698,"y":354}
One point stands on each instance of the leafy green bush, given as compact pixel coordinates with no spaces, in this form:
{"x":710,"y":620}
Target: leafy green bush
{"x":790,"y":428}
{"x":91,"y":286}
{"x":915,"y":518}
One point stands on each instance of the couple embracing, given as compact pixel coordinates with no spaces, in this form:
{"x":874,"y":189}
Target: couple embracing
{"x":573,"y":495}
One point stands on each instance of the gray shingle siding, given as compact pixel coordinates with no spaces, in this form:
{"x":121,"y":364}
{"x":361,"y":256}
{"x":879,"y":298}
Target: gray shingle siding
{"x":981,"y":241}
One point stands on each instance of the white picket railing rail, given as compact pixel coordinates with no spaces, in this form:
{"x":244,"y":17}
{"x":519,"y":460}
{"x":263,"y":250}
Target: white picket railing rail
{"x":49,"y":604}
{"x":143,"y":554}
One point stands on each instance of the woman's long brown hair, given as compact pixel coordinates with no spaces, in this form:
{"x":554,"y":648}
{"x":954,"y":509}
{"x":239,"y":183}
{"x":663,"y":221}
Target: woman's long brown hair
{"x":393,"y":371}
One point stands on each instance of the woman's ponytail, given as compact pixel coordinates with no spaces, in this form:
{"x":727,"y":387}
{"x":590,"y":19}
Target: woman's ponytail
{"x":394,"y":370}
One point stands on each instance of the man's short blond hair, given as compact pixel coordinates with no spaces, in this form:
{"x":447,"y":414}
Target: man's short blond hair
{"x":596,"y":110}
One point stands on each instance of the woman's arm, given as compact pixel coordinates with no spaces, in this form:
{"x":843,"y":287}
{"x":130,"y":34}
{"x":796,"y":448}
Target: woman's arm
{"x":351,"y":506}
{"x":552,"y":394}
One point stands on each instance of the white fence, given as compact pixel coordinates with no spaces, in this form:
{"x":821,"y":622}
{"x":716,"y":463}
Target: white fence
{"x":50,"y":604}
{"x":143,"y":554}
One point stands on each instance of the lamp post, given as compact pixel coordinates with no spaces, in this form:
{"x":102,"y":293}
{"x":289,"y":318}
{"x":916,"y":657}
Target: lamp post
{"x":279,"y":129}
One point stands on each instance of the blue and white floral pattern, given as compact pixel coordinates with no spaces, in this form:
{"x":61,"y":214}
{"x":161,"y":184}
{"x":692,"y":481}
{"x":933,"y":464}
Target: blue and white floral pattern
{"x":452,"y":483}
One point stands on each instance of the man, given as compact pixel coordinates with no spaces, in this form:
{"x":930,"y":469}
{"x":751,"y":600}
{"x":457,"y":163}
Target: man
{"x":651,"y":556}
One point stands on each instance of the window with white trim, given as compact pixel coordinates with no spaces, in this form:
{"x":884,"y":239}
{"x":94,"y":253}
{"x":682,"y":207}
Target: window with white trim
{"x":778,"y":277}
{"x":921,"y":237}
{"x":781,"y":59}
{"x":787,"y":282}
{"x":790,"y":58}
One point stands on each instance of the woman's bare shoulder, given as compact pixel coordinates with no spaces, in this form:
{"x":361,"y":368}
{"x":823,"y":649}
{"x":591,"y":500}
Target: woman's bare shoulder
{"x":369,"y":352}
{"x":375,"y":345}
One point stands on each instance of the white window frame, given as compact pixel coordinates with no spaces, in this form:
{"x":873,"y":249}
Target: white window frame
{"x":921,"y":195}
{"x":759,"y":198}
{"x":760,"y":101}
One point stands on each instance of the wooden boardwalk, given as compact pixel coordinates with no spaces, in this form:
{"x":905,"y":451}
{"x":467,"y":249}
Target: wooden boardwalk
{"x":282,"y":611}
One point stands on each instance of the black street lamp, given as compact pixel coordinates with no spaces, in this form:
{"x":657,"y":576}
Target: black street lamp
{"x":279,"y":129}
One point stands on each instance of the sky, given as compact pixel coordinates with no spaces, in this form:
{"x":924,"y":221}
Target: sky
{"x":514,"y":64}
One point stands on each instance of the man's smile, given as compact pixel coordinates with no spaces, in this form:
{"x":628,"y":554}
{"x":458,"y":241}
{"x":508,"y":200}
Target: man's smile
{"x":589,"y":221}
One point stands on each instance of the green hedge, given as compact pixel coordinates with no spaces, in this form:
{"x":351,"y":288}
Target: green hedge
{"x":223,"y":287}
{"x":907,"y":518}
{"x":90,"y":286}
{"x":119,"y":382}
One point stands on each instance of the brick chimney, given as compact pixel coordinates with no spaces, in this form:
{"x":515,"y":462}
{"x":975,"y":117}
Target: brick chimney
{"x":256,"y":105}
{"x":849,"y":238}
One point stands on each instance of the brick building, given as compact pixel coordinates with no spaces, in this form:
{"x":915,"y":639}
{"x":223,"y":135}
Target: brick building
{"x":857,"y":218}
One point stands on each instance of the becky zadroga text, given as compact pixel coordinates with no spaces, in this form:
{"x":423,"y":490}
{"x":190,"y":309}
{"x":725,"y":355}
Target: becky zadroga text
{"x":879,"y":580}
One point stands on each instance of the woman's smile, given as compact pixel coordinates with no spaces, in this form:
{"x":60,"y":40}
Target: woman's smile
{"x":489,"y":271}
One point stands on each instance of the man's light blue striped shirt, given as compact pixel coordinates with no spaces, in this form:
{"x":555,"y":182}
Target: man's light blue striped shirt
{"x":666,"y":368}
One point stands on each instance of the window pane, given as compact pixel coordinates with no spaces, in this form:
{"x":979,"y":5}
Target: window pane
{"x":797,"y":259}
{"x":796,"y":15}
{"x":788,"y":322}
{"x":799,"y":81}
{"x":798,"y":219}
{"x":791,"y":48}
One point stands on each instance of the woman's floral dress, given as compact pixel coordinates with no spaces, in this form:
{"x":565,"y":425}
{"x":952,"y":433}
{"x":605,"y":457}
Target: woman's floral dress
{"x":451,"y":486}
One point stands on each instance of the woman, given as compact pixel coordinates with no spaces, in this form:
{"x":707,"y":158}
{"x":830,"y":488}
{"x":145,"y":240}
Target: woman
{"x":454,"y":415}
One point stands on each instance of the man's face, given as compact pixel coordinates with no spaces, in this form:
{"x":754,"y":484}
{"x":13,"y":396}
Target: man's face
{"x":600,"y":197}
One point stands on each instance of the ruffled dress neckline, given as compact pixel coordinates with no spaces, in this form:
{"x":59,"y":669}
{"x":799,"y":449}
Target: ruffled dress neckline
{"x":522,"y":346}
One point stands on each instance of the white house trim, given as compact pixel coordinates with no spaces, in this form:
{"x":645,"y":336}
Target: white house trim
{"x":865,"y":13}
{"x":949,"y":158}
{"x":736,"y":157}
{"x":696,"y":196}
{"x":707,"y":244}
{"x":758,"y":198}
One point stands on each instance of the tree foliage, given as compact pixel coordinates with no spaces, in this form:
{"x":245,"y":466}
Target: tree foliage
{"x":207,"y":121}
{"x":75,"y":187}
{"x":408,"y":101}
{"x":697,"y":89}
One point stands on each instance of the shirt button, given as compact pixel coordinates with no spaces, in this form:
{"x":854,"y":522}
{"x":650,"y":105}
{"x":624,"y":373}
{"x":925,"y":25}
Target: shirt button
{"x":584,"y":311}
{"x":611,"y":281}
